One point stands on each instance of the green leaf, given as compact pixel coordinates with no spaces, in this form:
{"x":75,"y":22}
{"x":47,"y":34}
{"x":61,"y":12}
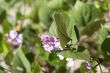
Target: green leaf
{"x":18,"y":63}
{"x":80,"y":48}
{"x":77,"y":32}
{"x":1,"y":43}
{"x":84,"y":16}
{"x":103,"y":34}
{"x":35,"y":67}
{"x":55,"y":61}
{"x":71,"y":2}
{"x":70,"y":31}
{"x":55,"y":4}
{"x":62,"y":22}
{"x":84,"y":55}
{"x":53,"y":29}
{"x":44,"y":14}
{"x":105,"y":46}
{"x":2,"y":14}
{"x":21,"y":61}
{"x":1,"y":71}
{"x":53,"y":56}
{"x":61,"y":69}
{"x":83,"y":68}
{"x":95,"y":25}
{"x":24,"y":60}
{"x":7,"y":26}
{"x":30,"y":56}
{"x":9,"y":57}
{"x":83,"y":13}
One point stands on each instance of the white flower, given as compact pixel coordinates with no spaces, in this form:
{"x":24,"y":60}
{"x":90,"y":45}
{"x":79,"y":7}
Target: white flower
{"x":13,"y":34}
{"x":58,"y":46}
{"x":70,"y":62}
{"x":60,"y":56}
{"x":48,"y":48}
{"x":19,"y":38}
{"x":14,"y":38}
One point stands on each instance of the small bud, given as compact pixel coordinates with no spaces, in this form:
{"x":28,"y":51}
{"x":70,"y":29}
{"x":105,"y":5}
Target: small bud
{"x":88,"y":67}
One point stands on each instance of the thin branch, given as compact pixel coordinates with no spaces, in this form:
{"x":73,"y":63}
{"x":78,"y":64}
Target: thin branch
{"x":100,"y":68}
{"x":96,"y":65}
{"x":99,"y":61}
{"x":65,"y":50}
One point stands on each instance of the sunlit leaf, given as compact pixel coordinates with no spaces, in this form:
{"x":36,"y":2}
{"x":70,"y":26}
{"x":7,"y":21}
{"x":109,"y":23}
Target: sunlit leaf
{"x":62,"y":22}
{"x":44,"y":14}
{"x":55,"y":4}
{"x":35,"y":67}
{"x":21,"y":61}
{"x":95,"y":25}
{"x":76,"y":55}
{"x":103,"y":34}
{"x":53,"y":29}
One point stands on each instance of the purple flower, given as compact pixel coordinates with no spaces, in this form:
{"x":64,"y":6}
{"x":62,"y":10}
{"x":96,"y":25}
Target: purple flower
{"x":50,"y":43}
{"x":70,"y":62}
{"x":32,"y":47}
{"x":13,"y":34}
{"x":88,"y":66}
{"x":14,"y":38}
{"x":48,"y":48}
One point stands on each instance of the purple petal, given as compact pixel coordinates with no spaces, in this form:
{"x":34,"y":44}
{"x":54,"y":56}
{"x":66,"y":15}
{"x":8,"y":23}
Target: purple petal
{"x":32,"y":47}
{"x":13,"y":34}
{"x":52,"y":39}
{"x":88,"y":65}
{"x":48,"y":48}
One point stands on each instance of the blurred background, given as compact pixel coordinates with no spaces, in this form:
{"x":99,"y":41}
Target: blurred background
{"x":34,"y":17}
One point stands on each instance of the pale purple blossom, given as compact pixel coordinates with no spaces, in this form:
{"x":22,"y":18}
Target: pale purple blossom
{"x":31,"y":47}
{"x":88,"y":66}
{"x":70,"y":62}
{"x":13,"y":34}
{"x":48,"y":48}
{"x":50,"y":43}
{"x":14,"y":38}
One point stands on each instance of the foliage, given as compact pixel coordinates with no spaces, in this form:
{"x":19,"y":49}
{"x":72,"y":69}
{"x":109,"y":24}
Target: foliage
{"x":81,"y":26}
